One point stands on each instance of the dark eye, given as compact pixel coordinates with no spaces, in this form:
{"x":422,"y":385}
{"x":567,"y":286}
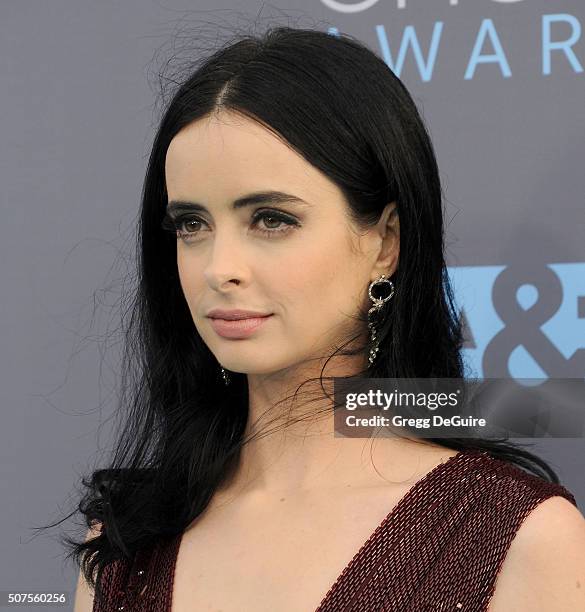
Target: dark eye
{"x":182,"y":226}
{"x":275,"y":222}
{"x":191,"y":225}
{"x":271,"y":221}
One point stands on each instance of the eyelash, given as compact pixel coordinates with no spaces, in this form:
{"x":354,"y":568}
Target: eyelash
{"x":175,"y":224}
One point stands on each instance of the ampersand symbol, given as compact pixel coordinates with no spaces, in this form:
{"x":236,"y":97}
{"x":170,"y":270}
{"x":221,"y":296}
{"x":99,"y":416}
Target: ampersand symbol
{"x":522,"y":326}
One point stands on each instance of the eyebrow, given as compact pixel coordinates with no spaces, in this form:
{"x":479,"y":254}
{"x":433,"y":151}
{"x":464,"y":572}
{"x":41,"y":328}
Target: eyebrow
{"x":251,"y":199}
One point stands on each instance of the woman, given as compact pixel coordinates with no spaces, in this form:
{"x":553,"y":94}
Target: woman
{"x":290,"y":176}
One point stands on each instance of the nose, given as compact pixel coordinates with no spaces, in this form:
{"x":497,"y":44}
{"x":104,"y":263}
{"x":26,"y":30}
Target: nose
{"x":226,"y":264}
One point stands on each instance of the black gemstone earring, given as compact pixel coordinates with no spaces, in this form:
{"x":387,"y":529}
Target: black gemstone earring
{"x":375,"y":311}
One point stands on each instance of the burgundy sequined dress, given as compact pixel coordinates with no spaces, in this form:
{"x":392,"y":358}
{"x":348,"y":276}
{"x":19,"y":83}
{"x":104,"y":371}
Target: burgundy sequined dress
{"x":440,"y":548}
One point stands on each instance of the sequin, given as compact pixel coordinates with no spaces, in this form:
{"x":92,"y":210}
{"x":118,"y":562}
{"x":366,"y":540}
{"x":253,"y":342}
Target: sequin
{"x":440,"y":548}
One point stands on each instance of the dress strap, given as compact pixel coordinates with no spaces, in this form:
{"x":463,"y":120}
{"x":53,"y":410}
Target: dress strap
{"x":444,"y":547}
{"x":143,"y":584}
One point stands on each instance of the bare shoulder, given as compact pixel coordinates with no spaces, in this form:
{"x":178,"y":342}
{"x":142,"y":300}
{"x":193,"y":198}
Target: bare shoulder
{"x":84,"y":594}
{"x":544,"y":569}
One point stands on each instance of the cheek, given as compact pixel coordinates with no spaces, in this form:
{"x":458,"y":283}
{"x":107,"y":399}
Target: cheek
{"x":312,"y":272}
{"x":191,"y":279}
{"x":323,"y":283}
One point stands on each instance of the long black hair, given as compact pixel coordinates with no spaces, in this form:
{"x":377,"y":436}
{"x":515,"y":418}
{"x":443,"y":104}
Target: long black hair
{"x":339,"y":105}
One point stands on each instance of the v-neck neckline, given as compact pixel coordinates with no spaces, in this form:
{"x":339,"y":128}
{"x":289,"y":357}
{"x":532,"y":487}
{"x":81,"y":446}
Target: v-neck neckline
{"x":341,"y":583}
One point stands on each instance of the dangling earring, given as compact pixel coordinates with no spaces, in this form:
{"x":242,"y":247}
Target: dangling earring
{"x":374,"y":312}
{"x":226,"y":376}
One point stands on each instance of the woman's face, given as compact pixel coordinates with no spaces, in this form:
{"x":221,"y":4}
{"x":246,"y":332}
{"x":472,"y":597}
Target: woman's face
{"x":300,"y":261}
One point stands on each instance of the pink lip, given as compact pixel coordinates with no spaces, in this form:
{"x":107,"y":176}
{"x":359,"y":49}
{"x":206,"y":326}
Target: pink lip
{"x":230,"y":315}
{"x":238,"y":328}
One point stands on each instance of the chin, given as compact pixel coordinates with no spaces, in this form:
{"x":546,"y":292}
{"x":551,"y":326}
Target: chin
{"x":249,"y":369}
{"x":250,"y":365}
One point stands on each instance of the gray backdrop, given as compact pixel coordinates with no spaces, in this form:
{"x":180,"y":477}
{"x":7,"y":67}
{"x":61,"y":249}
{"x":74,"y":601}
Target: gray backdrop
{"x":501,"y":85}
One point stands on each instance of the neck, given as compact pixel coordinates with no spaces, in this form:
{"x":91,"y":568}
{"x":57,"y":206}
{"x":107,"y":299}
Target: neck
{"x":290,"y":445}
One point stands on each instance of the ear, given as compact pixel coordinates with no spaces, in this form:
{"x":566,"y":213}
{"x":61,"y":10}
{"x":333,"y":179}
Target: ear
{"x":388,"y":228}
